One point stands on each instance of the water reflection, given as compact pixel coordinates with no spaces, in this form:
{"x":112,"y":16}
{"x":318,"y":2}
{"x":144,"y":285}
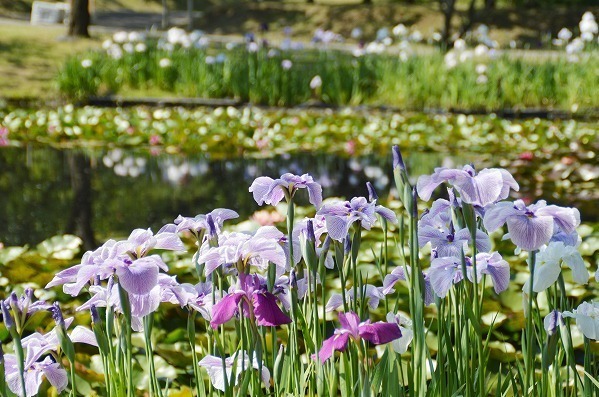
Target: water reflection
{"x":107,"y":193}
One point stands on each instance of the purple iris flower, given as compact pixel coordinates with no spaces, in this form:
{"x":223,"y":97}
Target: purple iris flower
{"x":201,"y":222}
{"x":241,"y":249}
{"x":552,"y":321}
{"x":255,"y":301}
{"x":370,"y":292}
{"x":128,"y":259}
{"x":351,"y":328}
{"x":340,"y":215}
{"x":271,"y":191}
{"x":533,"y":226}
{"x":34,"y":375}
{"x":437,"y":229}
{"x":444,"y":272}
{"x":23,"y":307}
{"x":399,"y":274}
{"x":488,"y":186}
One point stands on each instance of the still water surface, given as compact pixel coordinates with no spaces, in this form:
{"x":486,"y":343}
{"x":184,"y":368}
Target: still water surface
{"x":106,"y":193}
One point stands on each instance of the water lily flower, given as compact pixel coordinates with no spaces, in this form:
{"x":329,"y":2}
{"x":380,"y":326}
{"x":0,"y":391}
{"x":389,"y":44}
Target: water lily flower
{"x":401,"y":344}
{"x":444,"y":272}
{"x":530,"y":227}
{"x":587,"y":319}
{"x":255,"y":301}
{"x":488,"y":186}
{"x":351,"y":328}
{"x":240,"y":361}
{"x":367,"y":292}
{"x":340,"y":215}
{"x":271,"y":191}
{"x":34,"y":375}
{"x":548,"y":266}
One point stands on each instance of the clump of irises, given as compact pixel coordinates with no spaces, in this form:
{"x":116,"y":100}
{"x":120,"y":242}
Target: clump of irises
{"x":271,"y":324}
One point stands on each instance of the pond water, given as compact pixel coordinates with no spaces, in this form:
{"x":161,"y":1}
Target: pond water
{"x":106,"y":193}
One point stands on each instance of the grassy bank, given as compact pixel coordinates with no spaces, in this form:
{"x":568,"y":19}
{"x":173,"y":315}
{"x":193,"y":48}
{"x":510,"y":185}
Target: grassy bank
{"x":285,"y":78}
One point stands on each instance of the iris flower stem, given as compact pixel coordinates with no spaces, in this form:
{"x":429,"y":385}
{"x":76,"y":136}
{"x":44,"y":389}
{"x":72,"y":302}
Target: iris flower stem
{"x":529,"y":333}
{"x":73,"y":381}
{"x":191,"y":334}
{"x":148,"y":326}
{"x":126,"y":307}
{"x":16,"y":337}
{"x":417,"y":303}
{"x":588,"y":385}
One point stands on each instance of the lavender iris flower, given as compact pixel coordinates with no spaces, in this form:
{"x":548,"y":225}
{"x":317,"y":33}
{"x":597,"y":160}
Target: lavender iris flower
{"x":128,"y":259}
{"x":552,"y":321}
{"x":488,"y":186}
{"x":256,"y":302}
{"x":437,"y":229}
{"x":368,"y":291}
{"x":200,"y":222}
{"x":245,"y":250}
{"x":340,"y":215}
{"x":399,"y":274}
{"x":34,"y":375}
{"x":271,"y":191}
{"x":240,"y":361}
{"x":351,"y":328}
{"x":531,"y":227}
{"x":444,"y":272}
{"x":23,"y":307}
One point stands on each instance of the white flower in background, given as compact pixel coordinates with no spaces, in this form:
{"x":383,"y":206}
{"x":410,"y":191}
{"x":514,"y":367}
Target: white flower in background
{"x":129,"y":47}
{"x":548,"y":266}
{"x":86,"y":63}
{"x":286,"y":64}
{"x":587,"y":36}
{"x":220,"y":58}
{"x":210,"y":60}
{"x":459,"y":45}
{"x":400,"y":30}
{"x":375,"y":48}
{"x":272,"y":53}
{"x":196,"y":35}
{"x":405,"y":326}
{"x":253,"y":47}
{"x":387,"y":41}
{"x":164,"y":63}
{"x":587,"y":319}
{"x":416,"y":36}
{"x":115,"y":51}
{"x":467,"y":55}
{"x":358,"y":52}
{"x":175,"y":35}
{"x":135,"y":37}
{"x":316,"y":82}
{"x":564,"y":34}
{"x":356,"y":33}
{"x":203,"y":42}
{"x":106,"y":44}
{"x":575,"y":46}
{"x":588,"y":24}
{"x":451,"y":60}
{"x":140,"y":47}
{"x":481,"y":51}
{"x":230,"y":45}
{"x":437,"y":37}
{"x":482,"y":79}
{"x":481,"y":68}
{"x":120,"y":37}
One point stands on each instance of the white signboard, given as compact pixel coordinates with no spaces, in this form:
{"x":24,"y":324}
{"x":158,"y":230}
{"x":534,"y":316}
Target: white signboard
{"x":48,"y":13}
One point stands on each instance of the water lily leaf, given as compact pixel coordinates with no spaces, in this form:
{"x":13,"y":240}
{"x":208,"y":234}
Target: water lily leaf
{"x":9,"y":254}
{"x":502,"y":351}
{"x":60,"y":247}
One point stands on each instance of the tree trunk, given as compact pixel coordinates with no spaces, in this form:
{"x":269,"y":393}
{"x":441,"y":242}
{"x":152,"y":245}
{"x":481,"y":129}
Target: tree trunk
{"x":80,"y":220}
{"x":80,"y":18}
{"x":448,"y":9}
